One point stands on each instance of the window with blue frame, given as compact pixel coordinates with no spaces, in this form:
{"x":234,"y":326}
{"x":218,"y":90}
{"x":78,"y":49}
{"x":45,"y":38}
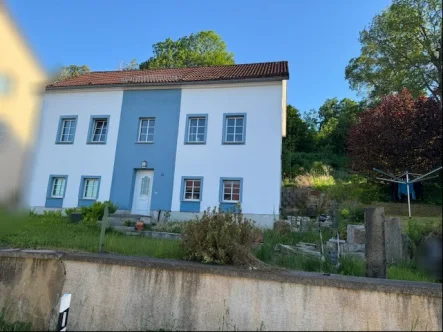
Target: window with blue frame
{"x":231,"y":190}
{"x":146,"y":130}
{"x":196,"y":128}
{"x":234,"y":128}
{"x":56,"y":191}
{"x":66,"y":129}
{"x":98,"y":130}
{"x":89,"y":190}
{"x":191,"y":193}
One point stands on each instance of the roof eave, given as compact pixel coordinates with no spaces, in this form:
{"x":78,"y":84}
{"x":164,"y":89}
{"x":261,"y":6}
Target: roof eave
{"x":123,"y":85}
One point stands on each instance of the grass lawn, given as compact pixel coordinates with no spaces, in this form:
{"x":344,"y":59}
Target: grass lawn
{"x":49,"y":232}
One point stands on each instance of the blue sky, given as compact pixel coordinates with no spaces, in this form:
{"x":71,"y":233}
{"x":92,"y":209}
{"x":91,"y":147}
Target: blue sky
{"x":317,"y":37}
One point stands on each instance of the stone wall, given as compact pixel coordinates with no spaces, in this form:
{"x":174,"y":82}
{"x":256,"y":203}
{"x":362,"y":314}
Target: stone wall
{"x":112,"y":292}
{"x":296,"y":201}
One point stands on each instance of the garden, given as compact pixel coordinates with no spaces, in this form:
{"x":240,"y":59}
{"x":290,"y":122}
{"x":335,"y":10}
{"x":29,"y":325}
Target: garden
{"x":216,"y":237}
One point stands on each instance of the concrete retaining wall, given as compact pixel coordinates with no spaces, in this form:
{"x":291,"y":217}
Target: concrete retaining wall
{"x":125,"y":293}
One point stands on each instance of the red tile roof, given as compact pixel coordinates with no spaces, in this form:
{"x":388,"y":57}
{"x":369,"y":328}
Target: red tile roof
{"x":266,"y":70}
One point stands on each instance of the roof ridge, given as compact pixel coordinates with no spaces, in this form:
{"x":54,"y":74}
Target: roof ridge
{"x":214,"y":66}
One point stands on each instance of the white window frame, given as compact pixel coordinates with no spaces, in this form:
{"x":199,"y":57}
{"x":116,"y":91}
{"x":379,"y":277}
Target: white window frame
{"x":198,"y":118}
{"x":85,"y":186}
{"x":101,"y":136}
{"x":61,"y":186}
{"x":150,"y":120}
{"x":71,"y":125}
{"x":231,"y":191}
{"x":235,"y":118}
{"x":192,"y":192}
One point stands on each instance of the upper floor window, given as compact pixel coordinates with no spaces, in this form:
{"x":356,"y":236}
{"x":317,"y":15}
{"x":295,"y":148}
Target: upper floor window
{"x":234,"y":129}
{"x":98,"y":129}
{"x":66,"y":129}
{"x":146,"y":130}
{"x":196,"y":128}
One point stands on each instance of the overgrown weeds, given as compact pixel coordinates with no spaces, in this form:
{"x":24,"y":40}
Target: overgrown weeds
{"x":220,"y":237}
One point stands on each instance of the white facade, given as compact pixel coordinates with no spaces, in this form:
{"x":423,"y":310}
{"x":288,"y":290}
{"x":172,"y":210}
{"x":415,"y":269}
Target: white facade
{"x":258,"y":161}
{"x":77,"y":159}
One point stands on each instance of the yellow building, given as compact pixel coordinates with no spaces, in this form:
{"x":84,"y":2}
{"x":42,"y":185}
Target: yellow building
{"x":22,"y":82}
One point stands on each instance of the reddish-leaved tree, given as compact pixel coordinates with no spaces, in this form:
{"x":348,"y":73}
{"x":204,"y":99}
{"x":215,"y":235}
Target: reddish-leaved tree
{"x":400,"y":134}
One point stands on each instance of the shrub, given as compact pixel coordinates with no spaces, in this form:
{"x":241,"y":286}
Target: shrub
{"x":95,"y":212}
{"x":282,"y":227}
{"x":420,"y":229}
{"x":220,"y":237}
{"x":170,"y":227}
{"x":69,"y":211}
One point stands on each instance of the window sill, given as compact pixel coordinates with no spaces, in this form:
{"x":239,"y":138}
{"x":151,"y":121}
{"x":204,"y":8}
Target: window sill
{"x":144,"y":142}
{"x":96,"y":143}
{"x":64,"y":143}
{"x":233,"y":143}
{"x":88,"y":199}
{"x":191,"y":200}
{"x":195,"y":143}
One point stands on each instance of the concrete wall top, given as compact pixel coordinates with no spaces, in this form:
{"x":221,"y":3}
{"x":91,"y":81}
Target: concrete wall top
{"x":278,"y":275}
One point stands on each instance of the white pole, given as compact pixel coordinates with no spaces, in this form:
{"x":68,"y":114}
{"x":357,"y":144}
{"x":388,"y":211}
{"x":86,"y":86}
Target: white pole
{"x":407,"y":190}
{"x":65,"y":302}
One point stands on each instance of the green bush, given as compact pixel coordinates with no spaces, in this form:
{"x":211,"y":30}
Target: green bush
{"x":170,"y":227}
{"x":219,"y":237}
{"x":420,"y":229}
{"x":282,"y":227}
{"x":93,"y":213}
{"x":69,"y":211}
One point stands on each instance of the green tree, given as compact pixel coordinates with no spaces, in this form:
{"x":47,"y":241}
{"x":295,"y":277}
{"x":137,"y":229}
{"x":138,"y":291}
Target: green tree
{"x":335,"y":118}
{"x":299,"y":138}
{"x":133,"y":65}
{"x":400,"y":49}
{"x":73,"y":71}
{"x":205,"y":48}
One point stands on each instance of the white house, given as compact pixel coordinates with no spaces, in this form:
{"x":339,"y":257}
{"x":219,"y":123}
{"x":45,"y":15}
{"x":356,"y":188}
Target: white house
{"x":180,"y":140}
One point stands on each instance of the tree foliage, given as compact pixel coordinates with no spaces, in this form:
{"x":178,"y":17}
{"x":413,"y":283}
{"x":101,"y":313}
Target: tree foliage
{"x":401,"y":49}
{"x":401,"y":133}
{"x":73,"y":71}
{"x":205,"y":48}
{"x":335,"y":120}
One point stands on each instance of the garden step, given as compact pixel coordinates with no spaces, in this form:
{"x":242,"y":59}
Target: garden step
{"x":124,"y":228}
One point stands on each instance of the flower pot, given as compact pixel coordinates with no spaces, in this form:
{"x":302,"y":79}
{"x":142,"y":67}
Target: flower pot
{"x":75,"y":217}
{"x":139,"y":225}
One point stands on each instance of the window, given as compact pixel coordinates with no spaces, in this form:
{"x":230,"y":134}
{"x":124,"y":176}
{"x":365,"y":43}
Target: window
{"x":98,"y":129}
{"x":192,"y":190}
{"x":90,"y":190}
{"x":58,"y":187}
{"x":146,"y":131}
{"x":196,"y":125}
{"x":234,"y":129}
{"x":68,"y":127}
{"x":66,"y":130}
{"x":231,"y":190}
{"x":144,"y":188}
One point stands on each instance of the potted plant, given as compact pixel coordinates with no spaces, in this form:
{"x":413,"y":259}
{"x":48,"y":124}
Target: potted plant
{"x":139,"y":225}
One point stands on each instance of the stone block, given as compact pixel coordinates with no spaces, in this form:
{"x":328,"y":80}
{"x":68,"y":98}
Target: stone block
{"x":393,"y":241}
{"x":375,"y":243}
{"x":356,"y":234}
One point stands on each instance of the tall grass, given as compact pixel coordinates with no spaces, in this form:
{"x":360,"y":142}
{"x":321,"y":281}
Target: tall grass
{"x":15,"y":326}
